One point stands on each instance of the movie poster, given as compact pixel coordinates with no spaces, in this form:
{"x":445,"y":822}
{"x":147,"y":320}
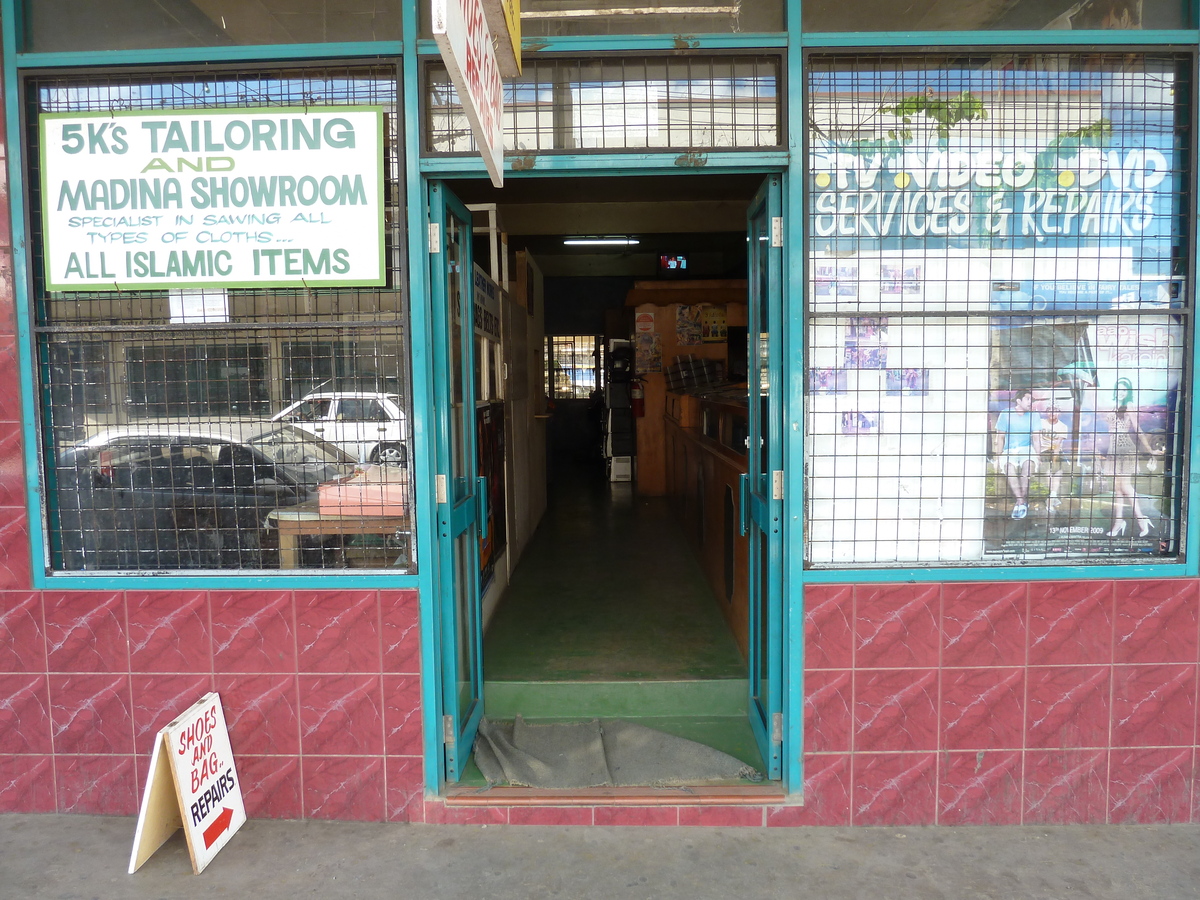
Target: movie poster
{"x":647,"y":352}
{"x":1081,"y":422}
{"x":689,"y":327}
{"x":713,"y":328}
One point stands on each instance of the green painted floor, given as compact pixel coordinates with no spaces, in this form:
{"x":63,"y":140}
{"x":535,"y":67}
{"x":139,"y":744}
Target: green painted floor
{"x":608,"y":590}
{"x":608,"y":615}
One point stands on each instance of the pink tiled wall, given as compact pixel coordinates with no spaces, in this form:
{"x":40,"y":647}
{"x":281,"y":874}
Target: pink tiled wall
{"x":1061,"y":702}
{"x":961,"y":704}
{"x":321,"y":693}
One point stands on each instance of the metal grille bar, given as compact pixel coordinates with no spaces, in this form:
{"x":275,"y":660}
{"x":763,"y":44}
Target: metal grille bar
{"x":625,"y":103}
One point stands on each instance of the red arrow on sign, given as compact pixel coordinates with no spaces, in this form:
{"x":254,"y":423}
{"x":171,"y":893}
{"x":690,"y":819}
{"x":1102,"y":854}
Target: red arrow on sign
{"x":217,"y":828}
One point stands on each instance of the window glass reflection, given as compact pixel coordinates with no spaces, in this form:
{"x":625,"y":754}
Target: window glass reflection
{"x":77,"y":25}
{"x":994,"y":15}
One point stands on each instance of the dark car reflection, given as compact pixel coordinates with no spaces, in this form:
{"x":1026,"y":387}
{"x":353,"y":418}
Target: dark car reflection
{"x":185,"y":495}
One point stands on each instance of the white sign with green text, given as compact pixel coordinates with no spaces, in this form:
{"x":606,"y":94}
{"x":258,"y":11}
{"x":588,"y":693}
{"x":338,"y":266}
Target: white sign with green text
{"x":270,"y":197}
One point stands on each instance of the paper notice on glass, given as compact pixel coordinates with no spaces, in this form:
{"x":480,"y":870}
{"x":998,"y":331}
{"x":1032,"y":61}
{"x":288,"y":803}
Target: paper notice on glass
{"x":199,"y":306}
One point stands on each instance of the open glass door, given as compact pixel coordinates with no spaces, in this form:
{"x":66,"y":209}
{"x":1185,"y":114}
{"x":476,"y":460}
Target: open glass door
{"x":459,"y":492}
{"x":762,"y":486}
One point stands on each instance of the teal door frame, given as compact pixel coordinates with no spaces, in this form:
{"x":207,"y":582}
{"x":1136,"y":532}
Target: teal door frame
{"x":780,"y":714}
{"x":458,"y":490}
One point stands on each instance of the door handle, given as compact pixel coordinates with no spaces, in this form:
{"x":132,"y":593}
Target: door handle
{"x":743,"y":504}
{"x":481,"y":500}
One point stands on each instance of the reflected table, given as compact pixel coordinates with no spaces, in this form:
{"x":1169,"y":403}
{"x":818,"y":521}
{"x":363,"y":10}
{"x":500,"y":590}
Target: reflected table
{"x":293,"y":522}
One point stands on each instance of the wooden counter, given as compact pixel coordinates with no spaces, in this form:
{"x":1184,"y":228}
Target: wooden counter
{"x":705,"y":457}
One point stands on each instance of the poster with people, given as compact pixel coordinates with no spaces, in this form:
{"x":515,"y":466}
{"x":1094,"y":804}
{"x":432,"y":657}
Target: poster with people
{"x":1082,"y":418}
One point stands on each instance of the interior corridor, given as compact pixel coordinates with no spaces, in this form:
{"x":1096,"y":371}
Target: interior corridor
{"x":608,"y":590}
{"x":608,"y":615}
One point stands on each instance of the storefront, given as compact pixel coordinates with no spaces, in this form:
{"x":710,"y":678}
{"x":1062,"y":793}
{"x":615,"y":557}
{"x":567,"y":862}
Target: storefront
{"x":922,"y":404}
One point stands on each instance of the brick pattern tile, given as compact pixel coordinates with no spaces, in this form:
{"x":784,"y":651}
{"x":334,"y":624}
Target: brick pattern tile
{"x":1051,"y":702}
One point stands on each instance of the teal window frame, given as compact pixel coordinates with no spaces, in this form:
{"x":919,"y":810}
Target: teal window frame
{"x":16,"y":64}
{"x":931,"y":43}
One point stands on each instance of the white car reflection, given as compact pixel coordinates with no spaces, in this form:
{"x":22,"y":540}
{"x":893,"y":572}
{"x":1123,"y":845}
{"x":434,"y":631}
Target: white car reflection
{"x":369,"y":425}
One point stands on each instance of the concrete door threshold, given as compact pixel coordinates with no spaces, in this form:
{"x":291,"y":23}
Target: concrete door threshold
{"x":771,"y":794}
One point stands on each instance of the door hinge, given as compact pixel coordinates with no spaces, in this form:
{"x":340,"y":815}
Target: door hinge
{"x":435,"y":237}
{"x":448,"y":736}
{"x":776,"y":728}
{"x":777,"y":484}
{"x":441,"y":489}
{"x":776,"y":231}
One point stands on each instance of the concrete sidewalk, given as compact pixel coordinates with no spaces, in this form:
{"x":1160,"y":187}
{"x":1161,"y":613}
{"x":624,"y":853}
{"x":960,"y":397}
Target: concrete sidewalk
{"x":87,"y":857}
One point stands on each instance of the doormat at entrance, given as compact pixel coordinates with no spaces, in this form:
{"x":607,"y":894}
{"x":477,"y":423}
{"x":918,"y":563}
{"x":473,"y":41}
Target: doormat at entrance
{"x":599,"y":753}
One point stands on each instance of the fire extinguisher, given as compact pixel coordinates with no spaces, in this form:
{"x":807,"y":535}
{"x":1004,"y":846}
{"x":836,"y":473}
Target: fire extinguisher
{"x":637,"y":398}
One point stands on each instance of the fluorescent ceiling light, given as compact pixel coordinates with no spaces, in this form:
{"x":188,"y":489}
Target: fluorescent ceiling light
{"x":601,"y":242}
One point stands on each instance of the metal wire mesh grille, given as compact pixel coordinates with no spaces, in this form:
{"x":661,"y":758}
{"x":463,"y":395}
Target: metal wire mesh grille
{"x":998,"y":325}
{"x":631,"y":103}
{"x":217,"y":431}
{"x":573,"y":365}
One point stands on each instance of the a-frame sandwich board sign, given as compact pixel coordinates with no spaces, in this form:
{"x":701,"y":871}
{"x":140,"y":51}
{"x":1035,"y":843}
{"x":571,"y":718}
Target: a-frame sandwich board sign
{"x":193,"y":785}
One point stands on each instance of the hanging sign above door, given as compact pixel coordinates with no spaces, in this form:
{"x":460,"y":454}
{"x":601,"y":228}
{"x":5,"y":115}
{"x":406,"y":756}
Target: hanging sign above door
{"x":213,"y":198}
{"x":504,"y":18}
{"x":460,"y":28}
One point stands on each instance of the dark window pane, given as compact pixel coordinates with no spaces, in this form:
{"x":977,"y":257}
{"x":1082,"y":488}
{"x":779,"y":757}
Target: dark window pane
{"x":63,"y":25}
{"x":552,"y":18}
{"x":994,"y":15}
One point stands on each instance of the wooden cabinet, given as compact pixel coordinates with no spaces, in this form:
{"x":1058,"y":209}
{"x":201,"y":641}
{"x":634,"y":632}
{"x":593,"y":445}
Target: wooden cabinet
{"x":661,"y":303}
{"x":705,"y":454}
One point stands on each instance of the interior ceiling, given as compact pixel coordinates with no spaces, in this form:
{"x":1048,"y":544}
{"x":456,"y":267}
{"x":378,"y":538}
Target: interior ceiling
{"x":703,"y":216}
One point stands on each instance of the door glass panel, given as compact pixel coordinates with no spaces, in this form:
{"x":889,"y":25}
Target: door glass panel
{"x":459,"y":418}
{"x":1022,"y":15}
{"x":764,"y":632}
{"x":465,"y":573}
